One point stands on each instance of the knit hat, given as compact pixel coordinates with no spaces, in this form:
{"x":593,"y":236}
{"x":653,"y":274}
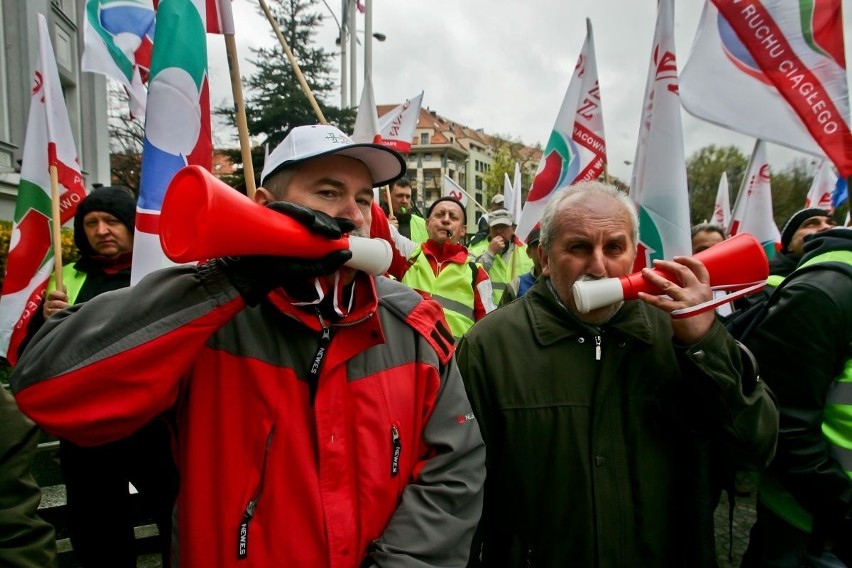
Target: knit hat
{"x":446,"y":198}
{"x":117,"y":201}
{"x":305,"y":142}
{"x":796,"y":221}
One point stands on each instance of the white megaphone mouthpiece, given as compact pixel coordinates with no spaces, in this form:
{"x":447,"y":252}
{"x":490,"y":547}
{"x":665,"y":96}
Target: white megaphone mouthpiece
{"x":735,"y":263}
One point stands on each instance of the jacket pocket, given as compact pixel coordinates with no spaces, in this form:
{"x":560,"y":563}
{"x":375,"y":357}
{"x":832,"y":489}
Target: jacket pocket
{"x":251,"y":506}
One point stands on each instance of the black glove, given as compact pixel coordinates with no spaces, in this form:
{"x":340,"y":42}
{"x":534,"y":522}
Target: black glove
{"x":257,"y":275}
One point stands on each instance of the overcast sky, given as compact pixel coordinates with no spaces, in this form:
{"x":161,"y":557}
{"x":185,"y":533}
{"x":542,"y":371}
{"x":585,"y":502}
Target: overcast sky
{"x":504,"y":65}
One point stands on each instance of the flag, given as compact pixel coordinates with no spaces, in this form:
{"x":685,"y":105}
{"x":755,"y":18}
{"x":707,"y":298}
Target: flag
{"x":367,"y":121}
{"x":220,"y":17}
{"x":454,"y":190}
{"x":576,"y":150}
{"x":397,"y":126}
{"x":822,"y":187}
{"x":659,"y":171}
{"x":177,"y":121}
{"x":753,"y":209}
{"x":48,"y":143}
{"x":775,"y":70}
{"x":514,"y":206}
{"x":722,"y":207}
{"x":508,"y":193}
{"x":841,"y":193}
{"x":118,"y":36}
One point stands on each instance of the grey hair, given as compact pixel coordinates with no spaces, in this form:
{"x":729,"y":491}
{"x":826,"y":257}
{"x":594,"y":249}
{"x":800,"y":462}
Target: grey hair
{"x":710,"y":228}
{"x":568,"y":196}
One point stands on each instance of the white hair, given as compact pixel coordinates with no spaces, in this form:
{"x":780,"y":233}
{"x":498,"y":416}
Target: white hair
{"x":571,"y":195}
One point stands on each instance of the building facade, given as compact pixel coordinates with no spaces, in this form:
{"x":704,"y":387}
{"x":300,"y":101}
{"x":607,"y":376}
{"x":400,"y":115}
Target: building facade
{"x":85,"y":93}
{"x":442,"y":146}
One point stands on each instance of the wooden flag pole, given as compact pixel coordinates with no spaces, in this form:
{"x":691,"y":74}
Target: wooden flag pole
{"x":240,"y":110}
{"x":390,"y":205}
{"x":305,"y":88}
{"x":57,"y":226}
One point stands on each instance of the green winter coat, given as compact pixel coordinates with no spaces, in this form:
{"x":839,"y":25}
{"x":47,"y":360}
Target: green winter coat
{"x":26,"y":541}
{"x":605,"y":463}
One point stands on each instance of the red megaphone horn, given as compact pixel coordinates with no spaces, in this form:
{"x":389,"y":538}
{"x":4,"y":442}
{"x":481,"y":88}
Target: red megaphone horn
{"x":202,"y":217}
{"x":733,"y":264}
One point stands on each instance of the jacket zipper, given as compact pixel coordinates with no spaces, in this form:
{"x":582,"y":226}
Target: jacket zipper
{"x":396,"y":450}
{"x":319,"y":357}
{"x":248,"y":514}
{"x":597,"y":347}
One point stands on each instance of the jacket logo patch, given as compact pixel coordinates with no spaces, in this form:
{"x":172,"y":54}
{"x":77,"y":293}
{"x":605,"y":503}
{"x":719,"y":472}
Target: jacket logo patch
{"x":465,"y":418}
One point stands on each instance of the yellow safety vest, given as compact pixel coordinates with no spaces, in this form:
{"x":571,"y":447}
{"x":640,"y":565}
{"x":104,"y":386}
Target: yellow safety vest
{"x":836,"y":418}
{"x":72,"y":279}
{"x":452,"y":288}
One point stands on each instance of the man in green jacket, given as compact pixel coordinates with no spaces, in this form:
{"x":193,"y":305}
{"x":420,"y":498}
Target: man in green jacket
{"x":26,"y":541}
{"x":601,"y":428}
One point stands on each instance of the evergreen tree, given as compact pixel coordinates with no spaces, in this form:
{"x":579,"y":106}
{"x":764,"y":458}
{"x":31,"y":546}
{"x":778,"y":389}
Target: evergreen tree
{"x":275,"y":102}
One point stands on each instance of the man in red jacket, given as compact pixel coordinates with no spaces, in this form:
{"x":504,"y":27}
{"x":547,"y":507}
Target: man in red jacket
{"x":321,"y":419}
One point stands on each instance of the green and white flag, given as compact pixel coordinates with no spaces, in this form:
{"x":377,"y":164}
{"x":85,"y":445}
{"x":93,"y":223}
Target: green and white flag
{"x":48,"y":142}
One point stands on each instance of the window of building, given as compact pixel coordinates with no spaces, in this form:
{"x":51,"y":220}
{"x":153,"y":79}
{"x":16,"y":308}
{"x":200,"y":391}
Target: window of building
{"x":478,"y":183}
{"x":427,"y":157}
{"x":424,"y":137}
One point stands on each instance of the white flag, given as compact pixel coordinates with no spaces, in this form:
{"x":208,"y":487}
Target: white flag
{"x":722,"y":207}
{"x":576,"y":150}
{"x":454,"y":190}
{"x":367,"y":121}
{"x":514,"y":206}
{"x":753,"y":210}
{"x":117,"y":42}
{"x":774,"y":70}
{"x":822,"y":187}
{"x":508,"y":193}
{"x":659,"y":172}
{"x":397,"y":126}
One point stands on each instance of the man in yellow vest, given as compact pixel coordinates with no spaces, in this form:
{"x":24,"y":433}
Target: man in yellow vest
{"x":401,"y":212}
{"x":502,"y":254}
{"x":804,"y":511}
{"x":96,"y":478}
{"x":440,"y":267}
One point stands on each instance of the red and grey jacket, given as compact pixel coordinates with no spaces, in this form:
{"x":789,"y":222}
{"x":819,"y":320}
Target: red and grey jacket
{"x":386,"y":462}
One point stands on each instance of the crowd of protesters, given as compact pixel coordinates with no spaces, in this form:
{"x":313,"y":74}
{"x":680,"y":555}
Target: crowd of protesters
{"x":321,"y":416}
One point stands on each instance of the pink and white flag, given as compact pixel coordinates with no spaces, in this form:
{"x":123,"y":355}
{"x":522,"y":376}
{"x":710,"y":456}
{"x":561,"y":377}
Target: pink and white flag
{"x":514,"y":206}
{"x":659,"y":172}
{"x":822,"y":187}
{"x":220,"y":17}
{"x":753,"y":209}
{"x":722,"y":206}
{"x":49,"y":142}
{"x":508,"y":193}
{"x":397,"y":126}
{"x":576,"y":149}
{"x":452,"y":189}
{"x":775,"y":70}
{"x":367,"y":121}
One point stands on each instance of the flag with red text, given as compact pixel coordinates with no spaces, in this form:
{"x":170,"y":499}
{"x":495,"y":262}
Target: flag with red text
{"x":822,"y":187}
{"x":775,"y":70}
{"x":48,"y":143}
{"x":753,"y":210}
{"x":722,"y":206}
{"x":576,"y":150}
{"x":452,"y":189}
{"x":397,"y":126}
{"x":659,"y":170}
{"x":177,"y":121}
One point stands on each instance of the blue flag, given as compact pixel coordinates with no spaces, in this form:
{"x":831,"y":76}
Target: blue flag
{"x":841,"y":192}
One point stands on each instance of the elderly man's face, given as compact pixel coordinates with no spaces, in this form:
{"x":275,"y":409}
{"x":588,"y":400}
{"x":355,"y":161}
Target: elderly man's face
{"x":809,"y":226}
{"x":593,"y":240}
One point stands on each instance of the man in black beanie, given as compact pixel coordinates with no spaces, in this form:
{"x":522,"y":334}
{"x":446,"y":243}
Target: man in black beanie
{"x":801,"y":224}
{"x":96,"y":478}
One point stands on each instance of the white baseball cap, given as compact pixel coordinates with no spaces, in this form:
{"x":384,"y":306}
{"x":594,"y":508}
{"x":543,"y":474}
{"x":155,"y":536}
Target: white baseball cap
{"x":306,"y":142}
